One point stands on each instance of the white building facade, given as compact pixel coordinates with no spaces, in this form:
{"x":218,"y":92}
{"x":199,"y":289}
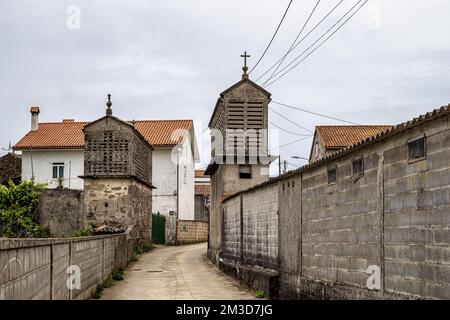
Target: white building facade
{"x":53,"y":154}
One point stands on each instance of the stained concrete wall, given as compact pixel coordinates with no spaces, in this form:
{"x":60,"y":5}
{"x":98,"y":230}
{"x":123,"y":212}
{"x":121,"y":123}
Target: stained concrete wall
{"x":225,"y":182}
{"x":395,"y":217}
{"x":191,"y":231}
{"x":62,"y":211}
{"x":250,"y":227}
{"x":37,"y":268}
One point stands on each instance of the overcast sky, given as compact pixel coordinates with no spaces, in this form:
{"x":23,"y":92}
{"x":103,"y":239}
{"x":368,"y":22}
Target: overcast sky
{"x":171,"y":59}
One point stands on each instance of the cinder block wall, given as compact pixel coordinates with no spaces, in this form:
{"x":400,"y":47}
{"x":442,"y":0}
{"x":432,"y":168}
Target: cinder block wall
{"x":250,"y":227}
{"x":37,"y":268}
{"x":395,"y":217}
{"x":191,"y":231}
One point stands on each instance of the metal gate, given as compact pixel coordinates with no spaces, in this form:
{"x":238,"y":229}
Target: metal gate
{"x":158,"y":228}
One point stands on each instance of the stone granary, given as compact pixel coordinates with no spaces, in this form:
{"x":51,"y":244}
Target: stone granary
{"x":117,"y":175}
{"x":239,"y":148}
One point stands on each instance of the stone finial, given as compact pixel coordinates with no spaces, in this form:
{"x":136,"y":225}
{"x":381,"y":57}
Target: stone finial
{"x":109,"y":104}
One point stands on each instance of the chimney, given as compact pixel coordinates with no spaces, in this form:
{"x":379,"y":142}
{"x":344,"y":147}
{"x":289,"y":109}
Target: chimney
{"x":34,"y":118}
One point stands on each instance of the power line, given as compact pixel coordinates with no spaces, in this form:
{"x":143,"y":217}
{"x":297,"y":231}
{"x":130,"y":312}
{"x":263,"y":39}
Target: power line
{"x":297,"y":44}
{"x":273,"y":37}
{"x":287,"y":131}
{"x":326,"y":39}
{"x":314,"y":113}
{"x":294,"y":123}
{"x":296,"y":38}
{"x":291,"y":143}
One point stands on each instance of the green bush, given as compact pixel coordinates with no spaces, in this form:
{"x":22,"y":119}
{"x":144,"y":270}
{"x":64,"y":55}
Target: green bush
{"x":86,"y":232}
{"x":18,"y":211}
{"x":260,"y":294}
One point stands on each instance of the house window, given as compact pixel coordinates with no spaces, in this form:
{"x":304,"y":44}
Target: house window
{"x":332,"y":175}
{"x":358,"y":166}
{"x":58,"y":170}
{"x":245,"y":172}
{"x":417,"y":149}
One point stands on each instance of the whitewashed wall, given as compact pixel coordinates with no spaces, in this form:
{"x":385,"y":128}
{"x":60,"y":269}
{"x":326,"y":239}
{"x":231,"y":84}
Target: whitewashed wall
{"x":43,"y":169}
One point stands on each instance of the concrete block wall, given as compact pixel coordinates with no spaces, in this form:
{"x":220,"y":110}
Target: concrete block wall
{"x":37,"y":268}
{"x":417,"y":218}
{"x":260,"y":227}
{"x":250,"y":227}
{"x":191,"y":231}
{"x":231,"y":239}
{"x":394,"y":217}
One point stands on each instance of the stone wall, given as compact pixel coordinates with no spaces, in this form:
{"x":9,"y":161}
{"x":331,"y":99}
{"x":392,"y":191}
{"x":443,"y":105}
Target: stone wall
{"x":38,"y":268}
{"x":392,"y":221}
{"x":125,"y":201}
{"x":191,"y":231}
{"x":62,"y":211}
{"x":10,"y":168}
{"x":250,"y":227}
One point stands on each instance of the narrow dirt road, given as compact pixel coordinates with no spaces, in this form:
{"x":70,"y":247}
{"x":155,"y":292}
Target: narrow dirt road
{"x":175,"y":273}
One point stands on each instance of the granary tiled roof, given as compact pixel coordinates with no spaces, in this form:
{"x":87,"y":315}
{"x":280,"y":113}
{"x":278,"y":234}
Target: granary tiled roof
{"x":336,"y":137}
{"x":203,"y":189}
{"x":200,"y":174}
{"x":69,"y":134}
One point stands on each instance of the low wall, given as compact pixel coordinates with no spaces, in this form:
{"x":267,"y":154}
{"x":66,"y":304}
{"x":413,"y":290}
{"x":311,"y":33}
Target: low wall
{"x":62,"y":211}
{"x":38,"y":269}
{"x":191,"y":231}
{"x":250,"y":227}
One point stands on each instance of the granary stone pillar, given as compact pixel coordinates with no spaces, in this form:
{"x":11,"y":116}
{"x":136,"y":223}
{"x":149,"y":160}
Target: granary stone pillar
{"x":118,"y":175}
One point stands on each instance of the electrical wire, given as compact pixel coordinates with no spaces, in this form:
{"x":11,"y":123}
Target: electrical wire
{"x":296,"y":38}
{"x":326,"y":39}
{"x":287,"y":131}
{"x":297,"y":44}
{"x":273,"y":37}
{"x":314,"y":113}
{"x":294,"y":123}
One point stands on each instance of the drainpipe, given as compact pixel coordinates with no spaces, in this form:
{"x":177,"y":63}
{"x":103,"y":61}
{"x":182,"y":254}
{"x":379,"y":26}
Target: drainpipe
{"x":178,"y":196}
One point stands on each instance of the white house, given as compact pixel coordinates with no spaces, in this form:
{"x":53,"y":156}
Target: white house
{"x":53,"y":153}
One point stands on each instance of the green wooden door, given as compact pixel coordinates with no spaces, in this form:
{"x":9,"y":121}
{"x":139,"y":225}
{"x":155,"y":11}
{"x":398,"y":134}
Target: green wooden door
{"x":158,"y":228}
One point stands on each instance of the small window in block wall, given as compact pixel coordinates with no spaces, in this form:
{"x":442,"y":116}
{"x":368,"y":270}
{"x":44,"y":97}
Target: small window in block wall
{"x":417,"y":149}
{"x":332,"y":175}
{"x":358,"y":166}
{"x":245,"y":172}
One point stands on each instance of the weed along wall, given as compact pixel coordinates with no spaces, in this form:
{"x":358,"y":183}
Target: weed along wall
{"x":42,"y":268}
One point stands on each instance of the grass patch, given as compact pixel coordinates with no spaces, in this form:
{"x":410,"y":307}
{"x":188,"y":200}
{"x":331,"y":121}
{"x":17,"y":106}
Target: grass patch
{"x":140,"y":249}
{"x":116,"y":275}
{"x":260,"y":294}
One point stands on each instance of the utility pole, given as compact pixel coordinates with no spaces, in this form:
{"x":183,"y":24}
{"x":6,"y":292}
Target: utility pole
{"x":279,"y":165}
{"x":284,"y":166}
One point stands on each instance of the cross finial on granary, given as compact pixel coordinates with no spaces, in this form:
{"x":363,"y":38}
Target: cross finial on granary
{"x":109,"y":104}
{"x":245,"y":68}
